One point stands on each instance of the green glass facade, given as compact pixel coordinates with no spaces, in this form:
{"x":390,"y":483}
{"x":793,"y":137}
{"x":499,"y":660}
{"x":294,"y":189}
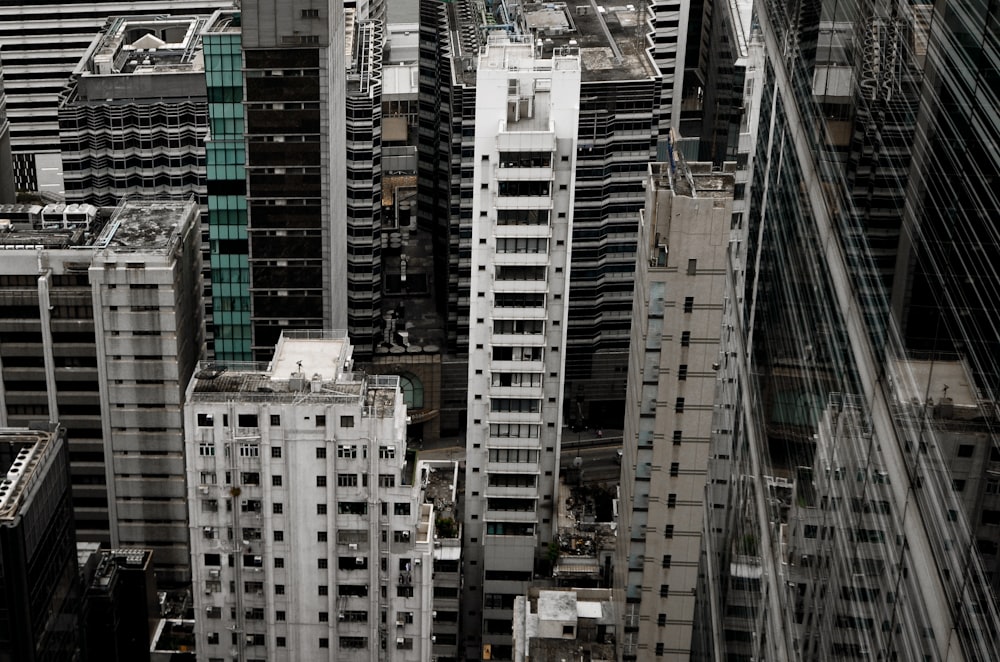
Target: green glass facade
{"x":227,"y":203}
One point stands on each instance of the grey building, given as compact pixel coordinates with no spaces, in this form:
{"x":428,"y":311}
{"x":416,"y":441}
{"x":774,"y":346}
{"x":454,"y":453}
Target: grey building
{"x":134,"y":115}
{"x":6,"y":162}
{"x":294,"y":57}
{"x":102,"y":327}
{"x":676,"y":342}
{"x":42,"y":47}
{"x":618,"y":130}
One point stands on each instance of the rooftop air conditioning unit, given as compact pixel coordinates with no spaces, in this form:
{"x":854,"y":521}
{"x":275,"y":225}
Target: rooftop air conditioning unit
{"x":417,"y":561}
{"x":213,"y":573}
{"x":400,"y":641}
{"x":203,"y":489}
{"x":258,"y":559}
{"x":360,"y":560}
{"x":353,"y":546}
{"x":406,"y":535}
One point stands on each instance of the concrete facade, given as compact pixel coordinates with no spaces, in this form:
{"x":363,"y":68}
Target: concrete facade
{"x":675,"y":355}
{"x":134,"y":116}
{"x":522,"y":202}
{"x":103,"y":325}
{"x":310,"y":535}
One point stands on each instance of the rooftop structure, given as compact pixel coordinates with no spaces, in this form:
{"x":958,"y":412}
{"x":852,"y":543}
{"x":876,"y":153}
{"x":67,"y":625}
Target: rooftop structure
{"x":552,"y":625}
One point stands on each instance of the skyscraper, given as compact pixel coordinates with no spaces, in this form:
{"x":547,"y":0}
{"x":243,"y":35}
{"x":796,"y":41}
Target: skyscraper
{"x":43,"y":42}
{"x":6,"y":163}
{"x":678,"y":308}
{"x":101,"y":325}
{"x":618,"y":129}
{"x":525,"y":158}
{"x":133,"y":116}
{"x":837,"y":529}
{"x":294,"y":83}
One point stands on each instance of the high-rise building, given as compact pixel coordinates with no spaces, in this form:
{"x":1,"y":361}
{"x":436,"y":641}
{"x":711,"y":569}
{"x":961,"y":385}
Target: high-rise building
{"x":617,"y":134}
{"x":102,"y":325}
{"x":226,"y":187}
{"x":294,"y":82}
{"x":133,"y":117}
{"x":527,"y":108}
{"x":43,"y":43}
{"x":678,"y":307}
{"x":6,"y":160}
{"x":40,"y":596}
{"x":311,"y":537}
{"x":837,"y":524}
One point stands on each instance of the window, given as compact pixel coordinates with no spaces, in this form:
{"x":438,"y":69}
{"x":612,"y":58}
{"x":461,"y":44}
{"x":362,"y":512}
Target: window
{"x":279,"y":536}
{"x":347,"y":451}
{"x":675,"y":468}
{"x":246,"y":420}
{"x":386,"y":452}
{"x":275,"y":419}
{"x":685,"y":338}
{"x":321,"y":509}
{"x":677,"y":437}
{"x":276,"y":451}
{"x":250,"y":477}
{"x":347,"y":480}
{"x":279,"y":642}
{"x":275,"y":480}
{"x":205,"y":420}
{"x":958,"y":485}
{"x":671,"y":501}
{"x":659,"y":649}
{"x":664,"y":590}
{"x":279,"y":615}
{"x":323,"y":589}
{"x":352,"y":508}
{"x":401,"y":509}
{"x":279,"y":562}
{"x":966,"y":450}
{"x":206,"y":450}
{"x":321,"y":453}
{"x":321,"y":420}
{"x":661,"y":620}
{"x":679,"y":405}
{"x":692,"y":267}
{"x":682,"y":372}
{"x":321,"y":564}
{"x":321,"y":536}
{"x":324,"y":642}
{"x":277,"y":508}
{"x":688,"y":304}
{"x":347,"y":421}
{"x":320,"y":481}
{"x":386,"y":480}
{"x":668,"y":531}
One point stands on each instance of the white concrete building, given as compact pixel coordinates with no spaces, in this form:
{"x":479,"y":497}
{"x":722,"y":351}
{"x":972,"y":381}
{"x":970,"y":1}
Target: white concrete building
{"x":526,"y":131}
{"x":309,"y":537}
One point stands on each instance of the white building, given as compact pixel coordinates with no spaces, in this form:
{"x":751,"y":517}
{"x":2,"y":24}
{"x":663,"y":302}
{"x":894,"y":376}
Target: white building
{"x":527,"y":113}
{"x":309,"y":537}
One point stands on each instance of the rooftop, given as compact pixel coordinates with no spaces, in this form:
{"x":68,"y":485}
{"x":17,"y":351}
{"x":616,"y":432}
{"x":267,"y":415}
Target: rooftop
{"x":145,"y":45}
{"x":21,"y":451}
{"x":611,"y":39}
{"x":307,"y":366}
{"x":148,"y":225}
